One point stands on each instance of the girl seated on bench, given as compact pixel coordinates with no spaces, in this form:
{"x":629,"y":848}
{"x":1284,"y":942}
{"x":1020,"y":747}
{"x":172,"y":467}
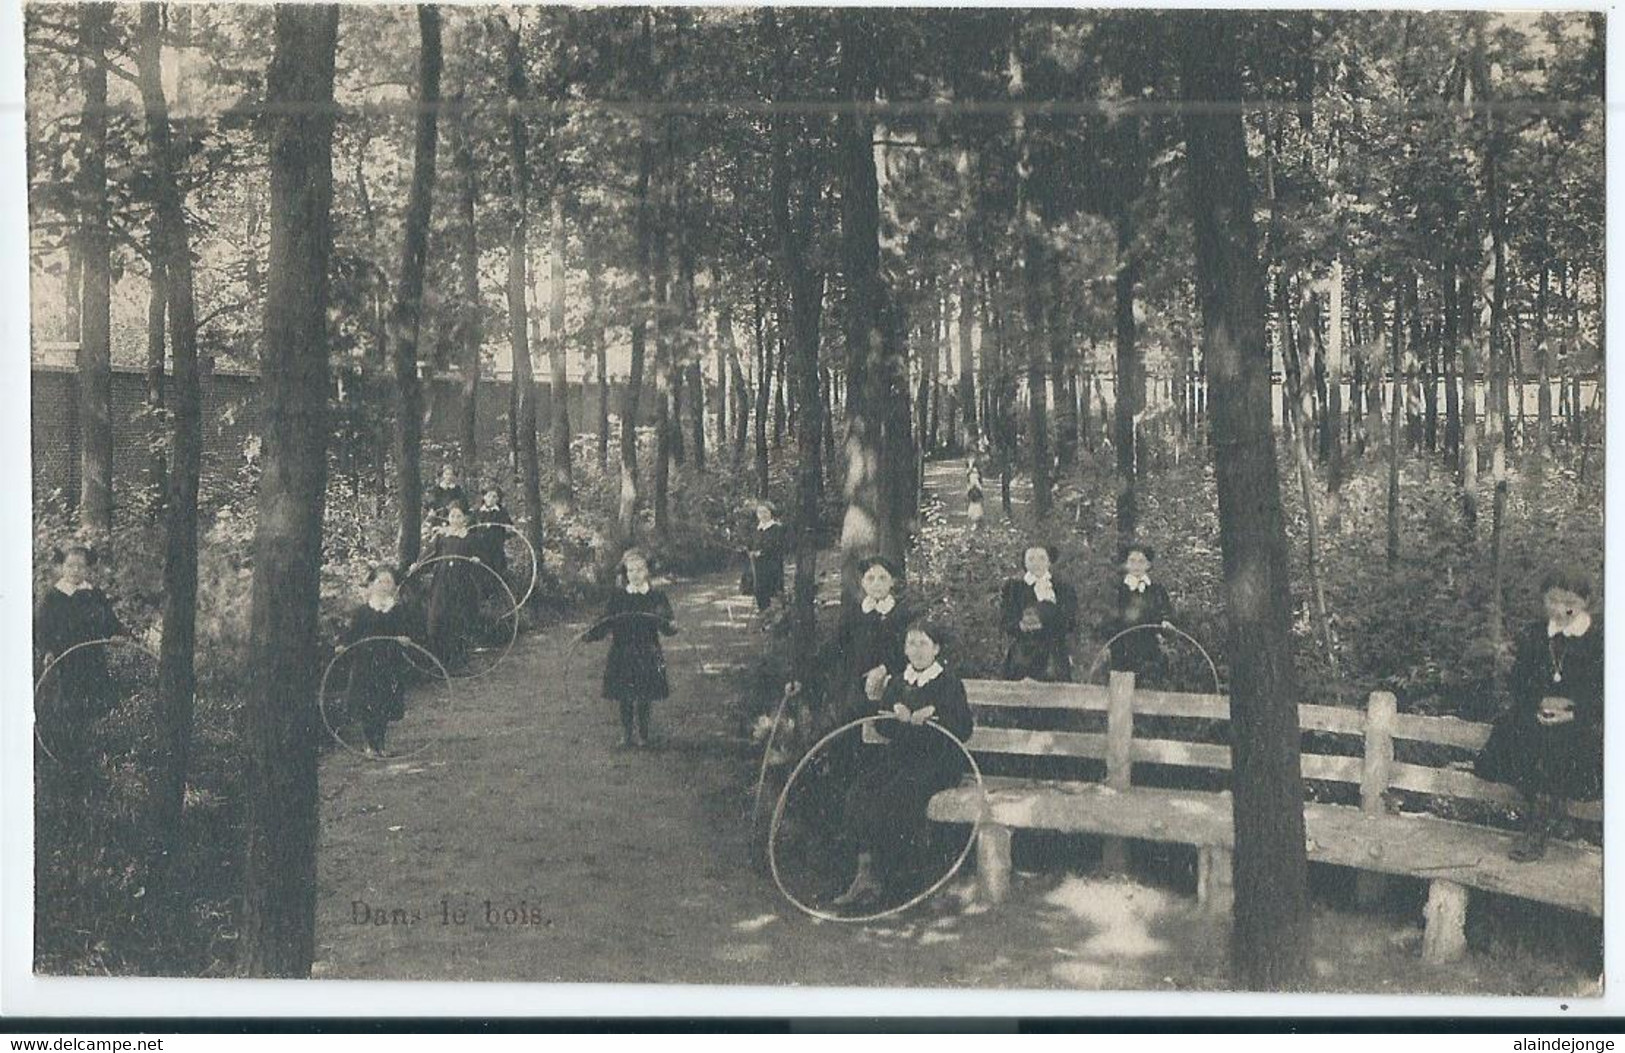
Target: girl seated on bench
{"x":885,"y":818}
{"x":1549,"y":742}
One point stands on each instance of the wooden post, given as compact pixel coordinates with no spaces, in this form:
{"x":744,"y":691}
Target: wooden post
{"x":993,"y":863}
{"x":1377,"y":771}
{"x":1215,"y":879}
{"x":1445,"y":937}
{"x":1119,"y":760}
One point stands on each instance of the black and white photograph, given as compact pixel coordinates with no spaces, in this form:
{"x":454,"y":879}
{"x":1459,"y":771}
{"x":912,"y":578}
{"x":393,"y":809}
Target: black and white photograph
{"x":909,"y":498}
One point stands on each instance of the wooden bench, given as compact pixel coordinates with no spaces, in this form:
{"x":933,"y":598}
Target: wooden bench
{"x":1450,"y":854}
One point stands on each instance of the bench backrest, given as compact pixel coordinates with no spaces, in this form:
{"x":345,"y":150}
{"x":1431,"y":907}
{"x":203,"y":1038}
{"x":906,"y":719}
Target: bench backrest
{"x":1375,"y":771}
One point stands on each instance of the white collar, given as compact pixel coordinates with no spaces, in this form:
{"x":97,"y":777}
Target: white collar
{"x":447,"y":531}
{"x":767,"y":525}
{"x":1138,"y":584}
{"x":81,"y":587}
{"x":1578,"y":627}
{"x":638,"y":590}
{"x":1033,"y":579}
{"x":883,"y":606}
{"x":382,"y":610}
{"x":921,"y":677}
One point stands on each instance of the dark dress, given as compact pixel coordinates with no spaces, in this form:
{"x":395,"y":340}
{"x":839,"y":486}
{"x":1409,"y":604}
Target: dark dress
{"x":862,"y":642}
{"x":767,"y":569}
{"x":493,"y":538}
{"x":453,"y":607}
{"x":81,"y":690}
{"x":885,"y":809}
{"x":438,"y":498}
{"x":1564,"y":760}
{"x":379,"y":671}
{"x":1044,"y":654}
{"x":635,"y":670}
{"x":1139,"y":653}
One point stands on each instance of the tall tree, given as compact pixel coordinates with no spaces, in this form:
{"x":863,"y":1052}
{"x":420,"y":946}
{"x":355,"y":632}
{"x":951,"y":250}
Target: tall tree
{"x":405,"y":314}
{"x":96,"y":291}
{"x":562,"y":493}
{"x":472,"y":316}
{"x":279,"y":880}
{"x":1272,"y":918}
{"x":1032,"y":261}
{"x":177,"y":676}
{"x":524,"y":382}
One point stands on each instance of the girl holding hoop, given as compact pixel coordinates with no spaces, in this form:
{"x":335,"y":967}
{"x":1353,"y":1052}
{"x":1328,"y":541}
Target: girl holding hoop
{"x":1138,"y":601}
{"x":492,"y":519}
{"x":1039,"y":614}
{"x":635,"y":670}
{"x":885,"y":816}
{"x":453,"y":607}
{"x":378,"y":673}
{"x":73,"y":612}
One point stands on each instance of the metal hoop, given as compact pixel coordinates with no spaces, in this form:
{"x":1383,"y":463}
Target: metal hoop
{"x":402,"y":641}
{"x":575,"y":646}
{"x":513,"y":633}
{"x":784,"y":797}
{"x":54,"y":662}
{"x":1105,"y":648}
{"x":535,"y":563}
{"x":767,"y":752}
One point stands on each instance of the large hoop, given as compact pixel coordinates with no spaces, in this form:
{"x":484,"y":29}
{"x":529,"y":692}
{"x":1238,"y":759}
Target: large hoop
{"x":512,"y":613}
{"x":784,"y":796}
{"x":1105,"y":649}
{"x":767,"y":754}
{"x":535,"y":563}
{"x":401,"y":641}
{"x":39,"y":682}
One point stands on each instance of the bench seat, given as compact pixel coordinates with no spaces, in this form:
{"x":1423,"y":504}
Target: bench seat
{"x":1409,"y":844}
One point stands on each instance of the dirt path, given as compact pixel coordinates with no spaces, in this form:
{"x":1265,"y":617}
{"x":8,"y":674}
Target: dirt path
{"x":523,"y":844}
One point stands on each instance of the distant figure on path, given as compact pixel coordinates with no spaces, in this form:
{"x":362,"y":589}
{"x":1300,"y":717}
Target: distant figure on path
{"x":767,"y":556}
{"x":1549,"y":742}
{"x":973,"y":495}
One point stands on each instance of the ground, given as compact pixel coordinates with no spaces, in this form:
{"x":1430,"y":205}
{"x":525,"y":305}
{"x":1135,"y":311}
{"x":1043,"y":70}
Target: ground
{"x":571,"y":859}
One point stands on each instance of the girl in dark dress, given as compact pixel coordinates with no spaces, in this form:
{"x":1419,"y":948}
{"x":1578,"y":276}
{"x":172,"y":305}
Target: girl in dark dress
{"x":378,"y":672}
{"x":493,"y":519}
{"x":868,"y":643}
{"x":885,"y":810}
{"x":767,"y":556}
{"x":1139,"y":601}
{"x":973,"y":495}
{"x":454,"y":593}
{"x":635,"y":670}
{"x":443,"y":493}
{"x":75,"y":611}
{"x":1039,"y":615}
{"x":1549,"y":742}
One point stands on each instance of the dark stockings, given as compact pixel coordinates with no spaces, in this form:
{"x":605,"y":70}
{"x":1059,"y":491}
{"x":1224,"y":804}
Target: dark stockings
{"x":635,"y":713}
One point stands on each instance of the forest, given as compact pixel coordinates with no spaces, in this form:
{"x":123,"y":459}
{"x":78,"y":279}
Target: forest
{"x":1312,"y":301}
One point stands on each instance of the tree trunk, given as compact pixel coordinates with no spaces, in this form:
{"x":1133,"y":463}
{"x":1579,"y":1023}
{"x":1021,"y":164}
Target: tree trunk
{"x":967,"y":360}
{"x":1469,"y":407}
{"x":278,"y":921}
{"x":1334,"y":399}
{"x":1061,"y":384}
{"x":725,"y":351}
{"x":177,"y":678}
{"x":596,"y":347}
{"x":1130,"y":385}
{"x":692,"y":356}
{"x":665,"y":365}
{"x":868,"y":527}
{"x":1272,"y":917}
{"x":1543,"y":375}
{"x":406,"y":313}
{"x":157,"y":471}
{"x":473,"y":306}
{"x":524,"y":382}
{"x":626,"y":516}
{"x":563,"y":489}
{"x":1397,"y":410}
{"x":764,"y":381}
{"x":1450,"y":341}
{"x":96,"y":245}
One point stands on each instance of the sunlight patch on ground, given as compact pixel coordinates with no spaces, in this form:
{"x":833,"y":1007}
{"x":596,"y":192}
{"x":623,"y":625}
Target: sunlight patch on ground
{"x":756,"y":924}
{"x":1120,"y":912}
{"x":744,"y":952}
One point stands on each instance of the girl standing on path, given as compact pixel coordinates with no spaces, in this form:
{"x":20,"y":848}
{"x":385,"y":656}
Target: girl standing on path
{"x":1138,"y":601}
{"x":1039,"y":615}
{"x":973,"y":495}
{"x":378,"y":673}
{"x":767,"y":556}
{"x":885,"y":818}
{"x":1549,"y":743}
{"x":454,"y":601}
{"x":635,"y":670}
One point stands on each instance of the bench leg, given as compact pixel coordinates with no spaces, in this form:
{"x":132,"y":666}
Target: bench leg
{"x":1114,"y":855}
{"x":1215,"y":880}
{"x":993,"y":863}
{"x":1445,"y":937}
{"x":1370,"y":888}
